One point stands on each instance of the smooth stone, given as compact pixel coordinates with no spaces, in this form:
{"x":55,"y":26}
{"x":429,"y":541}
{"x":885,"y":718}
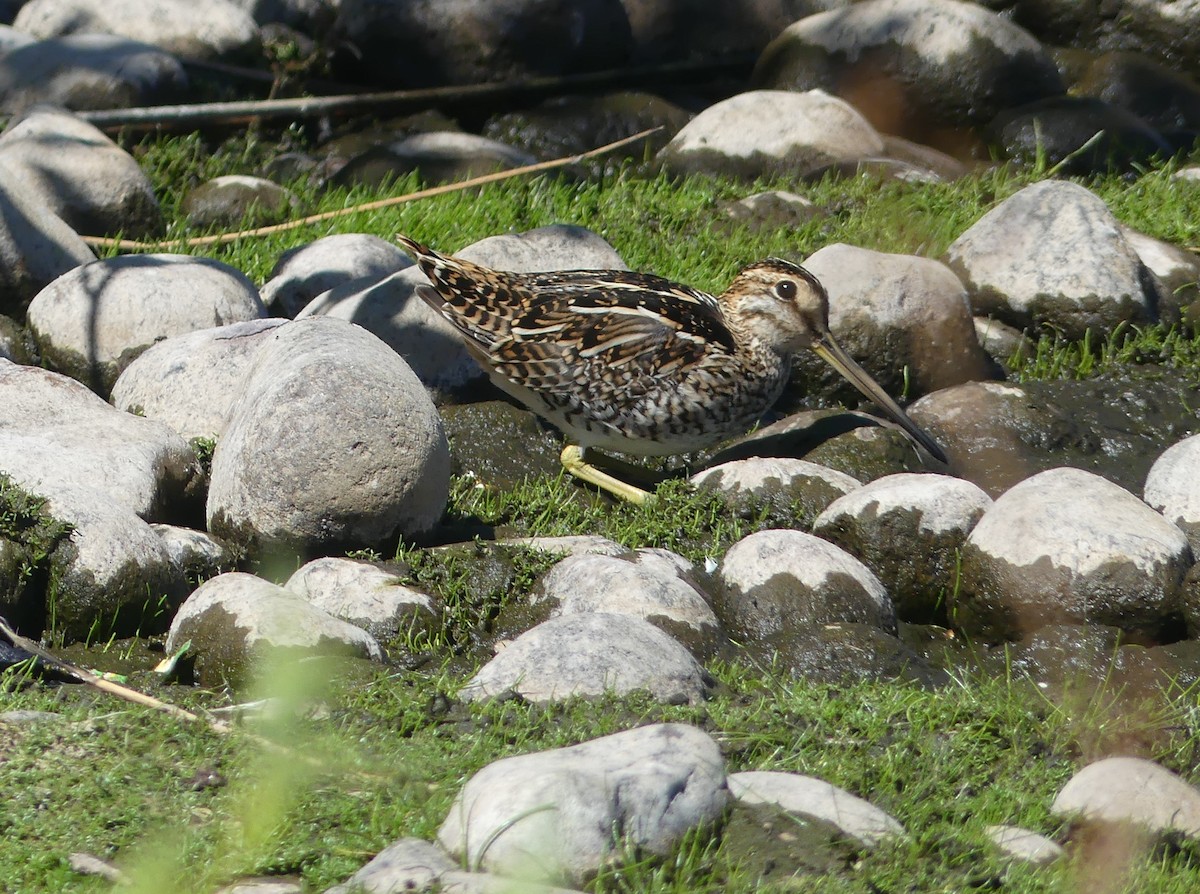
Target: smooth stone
{"x":767,"y":132}
{"x":373,"y":457}
{"x":771,"y":211}
{"x":364,"y":595}
{"x":409,"y":865}
{"x":235,"y":198}
{"x":89,"y":71}
{"x":591,"y":654}
{"x":58,"y":438}
{"x":196,"y":554}
{"x":198,"y":29}
{"x":1173,"y":487}
{"x":36,"y":245}
{"x":1002,"y":341}
{"x":855,"y":817}
{"x":236,"y":621}
{"x":92,"y":322}
{"x":886,"y":309}
{"x":788,"y":581}
{"x":1054,"y":255}
{"x":1177,"y":269}
{"x":85,"y":178}
{"x":552,"y":815}
{"x":644,"y":585}
{"x":913,"y":67}
{"x":192,"y":381}
{"x":304,"y":272}
{"x":437,"y":157}
{"x":572,"y":545}
{"x":1131,"y":790}
{"x":781,"y":480}
{"x":1025,"y":845}
{"x":1069,"y":546}
{"x":909,"y":530}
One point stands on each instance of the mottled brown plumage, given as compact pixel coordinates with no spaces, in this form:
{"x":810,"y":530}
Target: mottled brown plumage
{"x":636,"y":363}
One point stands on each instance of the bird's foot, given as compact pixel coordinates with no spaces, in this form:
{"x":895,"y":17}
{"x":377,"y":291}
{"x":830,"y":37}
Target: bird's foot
{"x":574,"y":460}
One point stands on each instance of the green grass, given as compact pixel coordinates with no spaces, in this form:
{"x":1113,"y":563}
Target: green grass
{"x":382,"y":754}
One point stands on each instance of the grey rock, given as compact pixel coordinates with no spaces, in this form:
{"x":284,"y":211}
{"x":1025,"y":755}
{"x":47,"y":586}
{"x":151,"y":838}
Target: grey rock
{"x":781,"y":480}
{"x":196,"y":554}
{"x":781,"y":580}
{"x":54,"y":434}
{"x":590,"y":654}
{"x":439,"y":157}
{"x":887,"y":310}
{"x":1173,"y":487}
{"x":769,"y":132}
{"x":1169,"y":33}
{"x":89,"y":71}
{"x":410,"y":864}
{"x":773,"y":210}
{"x":236,"y":620}
{"x":192,"y":381}
{"x":112,"y":570}
{"x":1131,"y":790}
{"x":198,"y":29}
{"x":417,"y":866}
{"x":908,"y":529}
{"x":572,"y":545}
{"x":262,"y":886}
{"x":1069,"y":546}
{"x":36,"y":245}
{"x":85,"y":178}
{"x":91,"y":322}
{"x":1078,"y":135}
{"x":795,"y":793}
{"x":432,"y":347}
{"x":329,"y":405}
{"x":364,"y":595}
{"x":1025,"y":845}
{"x":1176,"y":269}
{"x":1001,"y":341}
{"x":912,"y":66}
{"x":307,"y":271}
{"x":645,"y":585}
{"x":1054,"y":255}
{"x":234,"y":198}
{"x":551,"y":815}
{"x":27,"y":718}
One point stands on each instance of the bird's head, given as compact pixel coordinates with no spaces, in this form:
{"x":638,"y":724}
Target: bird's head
{"x":787,"y":309}
{"x":778,"y":303}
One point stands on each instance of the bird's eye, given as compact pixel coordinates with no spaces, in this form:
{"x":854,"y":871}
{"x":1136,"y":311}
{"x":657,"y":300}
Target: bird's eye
{"x":785,"y":289}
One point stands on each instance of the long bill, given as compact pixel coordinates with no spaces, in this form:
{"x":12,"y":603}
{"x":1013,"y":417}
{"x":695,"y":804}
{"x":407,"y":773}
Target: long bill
{"x":833,"y":354}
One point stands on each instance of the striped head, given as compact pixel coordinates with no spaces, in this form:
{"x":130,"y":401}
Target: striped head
{"x":778,"y":303}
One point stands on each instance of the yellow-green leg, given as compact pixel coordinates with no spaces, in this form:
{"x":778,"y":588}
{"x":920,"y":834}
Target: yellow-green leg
{"x":575,"y":462}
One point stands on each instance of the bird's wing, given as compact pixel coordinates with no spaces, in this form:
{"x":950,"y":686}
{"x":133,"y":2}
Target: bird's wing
{"x":631,"y":324}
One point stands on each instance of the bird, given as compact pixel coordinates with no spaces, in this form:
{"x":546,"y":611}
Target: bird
{"x":632,"y":362}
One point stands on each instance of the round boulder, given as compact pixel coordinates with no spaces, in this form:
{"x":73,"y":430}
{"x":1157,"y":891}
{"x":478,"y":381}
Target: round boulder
{"x":192,"y":381}
{"x":889,"y":309}
{"x":1067,"y":546}
{"x":912,"y":67}
{"x":908,"y":529}
{"x":782,"y":581}
{"x":307,"y":271}
{"x":550,"y":815}
{"x":591,"y":653}
{"x":333,"y":444}
{"x":1173,"y":487}
{"x":646,"y":585}
{"x":92,"y":322}
{"x":236,"y":620}
{"x":1054,"y":255}
{"x":771,"y":132}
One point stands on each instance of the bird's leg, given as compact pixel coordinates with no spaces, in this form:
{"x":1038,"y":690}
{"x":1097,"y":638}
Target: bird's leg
{"x":575,"y":462}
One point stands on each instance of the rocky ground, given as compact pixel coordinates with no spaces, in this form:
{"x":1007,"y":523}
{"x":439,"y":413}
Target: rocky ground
{"x":187,"y":432}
